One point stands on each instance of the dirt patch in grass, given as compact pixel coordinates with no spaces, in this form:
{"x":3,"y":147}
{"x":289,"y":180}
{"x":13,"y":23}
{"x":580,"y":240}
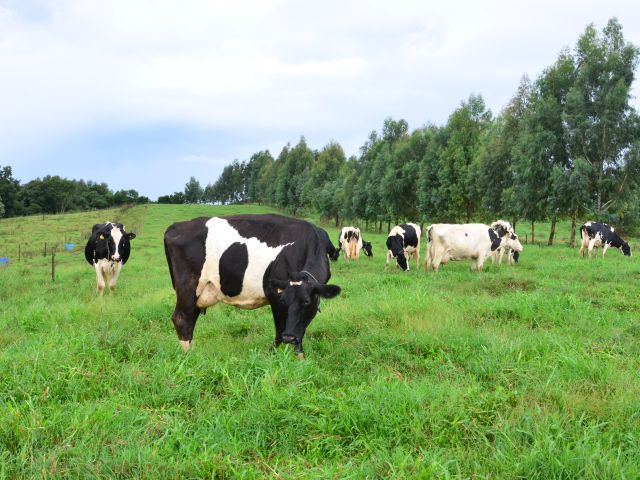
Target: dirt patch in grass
{"x":500,"y":286}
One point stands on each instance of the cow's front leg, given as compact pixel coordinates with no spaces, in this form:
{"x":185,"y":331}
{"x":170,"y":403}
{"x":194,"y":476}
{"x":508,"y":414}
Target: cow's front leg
{"x":100,"y":283}
{"x":279,"y":321}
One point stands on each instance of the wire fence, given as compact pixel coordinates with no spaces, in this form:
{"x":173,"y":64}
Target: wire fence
{"x":48,"y":242}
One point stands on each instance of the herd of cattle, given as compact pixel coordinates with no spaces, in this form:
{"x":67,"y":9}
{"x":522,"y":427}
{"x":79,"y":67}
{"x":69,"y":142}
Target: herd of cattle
{"x":253,"y":260}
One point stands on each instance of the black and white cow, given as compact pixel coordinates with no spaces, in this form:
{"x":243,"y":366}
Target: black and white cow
{"x":402,"y":242}
{"x":447,"y":242}
{"x":107,"y":250}
{"x":351,"y":242}
{"x":504,"y":249}
{"x":595,"y":234}
{"x":249,"y":261}
{"x":332,"y":252}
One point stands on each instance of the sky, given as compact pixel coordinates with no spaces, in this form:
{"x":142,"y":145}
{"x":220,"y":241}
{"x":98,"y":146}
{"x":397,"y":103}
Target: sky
{"x":144,"y":94}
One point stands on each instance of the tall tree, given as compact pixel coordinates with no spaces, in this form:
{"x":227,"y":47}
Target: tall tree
{"x":193,"y":192}
{"x":601,"y":124}
{"x":459,"y":161}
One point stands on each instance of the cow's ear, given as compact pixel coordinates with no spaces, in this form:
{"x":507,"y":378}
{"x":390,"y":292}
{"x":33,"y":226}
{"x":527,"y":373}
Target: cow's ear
{"x":131,"y":236}
{"x":96,"y":227}
{"x":327,"y":291}
{"x":278,"y":285}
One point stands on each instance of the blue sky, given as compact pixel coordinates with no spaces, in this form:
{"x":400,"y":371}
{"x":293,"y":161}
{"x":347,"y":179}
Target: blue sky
{"x":146,"y":93}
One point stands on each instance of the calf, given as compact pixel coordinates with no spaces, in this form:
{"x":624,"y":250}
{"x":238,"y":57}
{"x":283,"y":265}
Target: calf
{"x":249,"y":261}
{"x":403,"y":241}
{"x":107,"y":250}
{"x":595,"y":234}
{"x":458,"y":242}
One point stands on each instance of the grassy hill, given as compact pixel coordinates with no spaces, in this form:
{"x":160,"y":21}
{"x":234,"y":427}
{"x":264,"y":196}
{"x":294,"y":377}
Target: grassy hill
{"x":528,"y":371}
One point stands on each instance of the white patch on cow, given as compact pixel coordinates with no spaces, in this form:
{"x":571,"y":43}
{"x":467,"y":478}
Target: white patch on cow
{"x":116,"y":234}
{"x":185,"y":344}
{"x":221,"y":235}
{"x":295,"y":283}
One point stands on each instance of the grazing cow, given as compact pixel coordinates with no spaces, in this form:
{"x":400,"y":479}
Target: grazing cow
{"x":351,"y":242}
{"x":249,"y":261}
{"x":595,"y":234}
{"x":107,"y":250}
{"x":332,"y":252}
{"x":458,"y":242}
{"x":512,"y":255}
{"x":403,"y":241}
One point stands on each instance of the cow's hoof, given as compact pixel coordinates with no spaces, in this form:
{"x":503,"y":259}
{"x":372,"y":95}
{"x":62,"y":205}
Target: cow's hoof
{"x":300,"y":355}
{"x":186,"y":345}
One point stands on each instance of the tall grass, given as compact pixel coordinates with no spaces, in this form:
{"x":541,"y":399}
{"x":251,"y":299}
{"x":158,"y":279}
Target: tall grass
{"x":519,"y":372}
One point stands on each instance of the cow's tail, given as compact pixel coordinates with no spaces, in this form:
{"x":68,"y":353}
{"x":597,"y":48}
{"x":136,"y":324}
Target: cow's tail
{"x":169,"y":262}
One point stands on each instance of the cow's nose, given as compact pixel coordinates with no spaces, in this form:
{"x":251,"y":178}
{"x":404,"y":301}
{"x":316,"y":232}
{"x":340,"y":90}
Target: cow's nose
{"x":115,"y":258}
{"x":288,"y":338}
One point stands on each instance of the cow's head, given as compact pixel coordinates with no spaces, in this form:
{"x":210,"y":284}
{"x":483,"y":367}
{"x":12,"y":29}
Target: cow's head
{"x":110,"y":241}
{"x":502,"y":234}
{"x":515,"y":255}
{"x":395,"y":243}
{"x":511,"y":240}
{"x":300,"y":296}
{"x":366,"y":248}
{"x":626,"y":249}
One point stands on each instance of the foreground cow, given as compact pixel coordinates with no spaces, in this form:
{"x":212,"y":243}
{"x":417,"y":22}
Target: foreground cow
{"x":595,"y":234}
{"x":107,"y":250}
{"x":351,"y":242}
{"x":249,"y":261}
{"x":403,"y":241}
{"x":472,"y":240}
{"x":502,"y":250}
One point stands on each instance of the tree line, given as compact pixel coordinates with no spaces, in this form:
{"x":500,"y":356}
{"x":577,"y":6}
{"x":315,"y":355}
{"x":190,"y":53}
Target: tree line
{"x":53,"y":194}
{"x":567,"y":145}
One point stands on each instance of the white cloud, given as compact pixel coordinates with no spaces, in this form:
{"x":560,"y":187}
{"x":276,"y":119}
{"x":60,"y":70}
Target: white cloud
{"x":277,"y":69}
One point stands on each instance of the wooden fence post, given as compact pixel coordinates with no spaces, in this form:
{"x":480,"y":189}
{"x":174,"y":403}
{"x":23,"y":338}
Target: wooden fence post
{"x":53,"y":265}
{"x":19,"y":251}
{"x":45,"y":249}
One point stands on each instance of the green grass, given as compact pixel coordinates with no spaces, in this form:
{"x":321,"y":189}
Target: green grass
{"x":529,"y":371}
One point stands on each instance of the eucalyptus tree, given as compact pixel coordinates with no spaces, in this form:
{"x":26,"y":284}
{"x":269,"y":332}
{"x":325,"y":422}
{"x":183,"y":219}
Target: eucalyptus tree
{"x":600,"y":122}
{"x":458,"y":162}
{"x":193,"y":192}
{"x":496,"y":165}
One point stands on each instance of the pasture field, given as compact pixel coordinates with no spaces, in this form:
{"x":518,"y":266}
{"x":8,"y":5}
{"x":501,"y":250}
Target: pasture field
{"x":530,"y":371}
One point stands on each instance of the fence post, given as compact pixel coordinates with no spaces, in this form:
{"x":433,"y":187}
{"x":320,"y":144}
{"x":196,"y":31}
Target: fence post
{"x":19,"y":251}
{"x":53,"y":265}
{"x":45,"y":249}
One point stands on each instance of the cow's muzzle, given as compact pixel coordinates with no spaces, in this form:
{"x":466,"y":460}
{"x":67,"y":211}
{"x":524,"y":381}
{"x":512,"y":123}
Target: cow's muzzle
{"x":116,"y":258}
{"x":289,"y":338}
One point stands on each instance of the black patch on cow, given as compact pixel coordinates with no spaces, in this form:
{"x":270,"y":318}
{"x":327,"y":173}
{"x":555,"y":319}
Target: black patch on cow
{"x":410,"y":235}
{"x":495,"y":239}
{"x":262,"y":227}
{"x":394,"y":243}
{"x":367,"y":248}
{"x":233,"y":263}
